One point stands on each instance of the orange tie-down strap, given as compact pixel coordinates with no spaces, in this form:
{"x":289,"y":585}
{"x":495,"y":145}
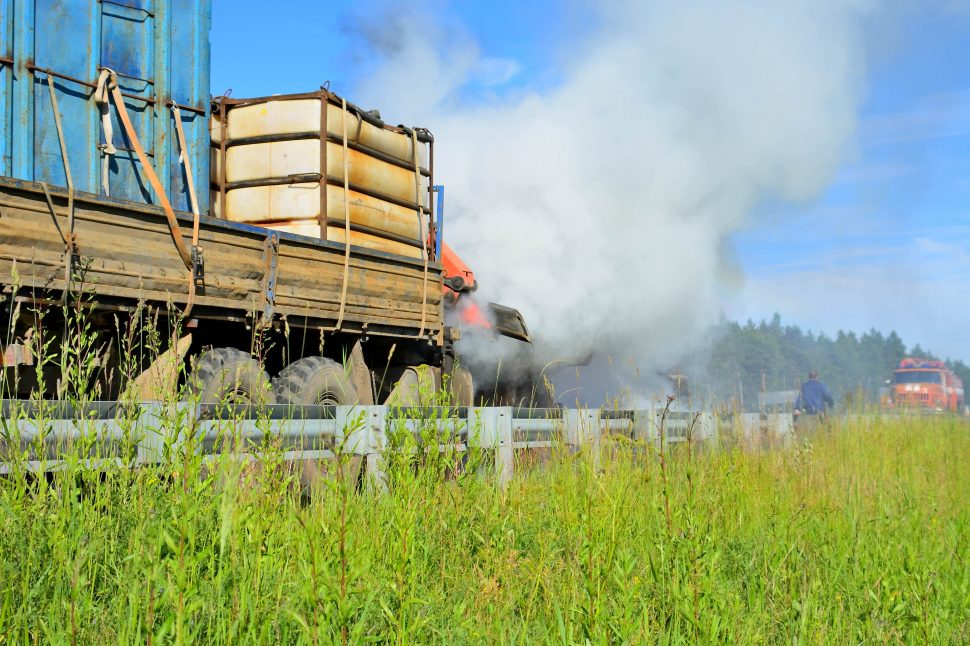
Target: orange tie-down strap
{"x":173,"y":225}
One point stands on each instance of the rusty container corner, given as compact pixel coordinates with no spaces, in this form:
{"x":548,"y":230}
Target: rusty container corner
{"x":160,"y":52}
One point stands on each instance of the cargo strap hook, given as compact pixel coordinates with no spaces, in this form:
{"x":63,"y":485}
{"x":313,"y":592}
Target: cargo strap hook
{"x":111,"y":84}
{"x":103,"y":101}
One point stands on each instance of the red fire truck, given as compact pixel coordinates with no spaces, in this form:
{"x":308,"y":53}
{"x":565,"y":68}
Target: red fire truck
{"x":922,"y":384}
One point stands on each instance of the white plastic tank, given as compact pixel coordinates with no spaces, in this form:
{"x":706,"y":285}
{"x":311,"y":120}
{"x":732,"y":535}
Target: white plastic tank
{"x":302,"y":201}
{"x":338,"y":234}
{"x":282,"y":116}
{"x":271,"y":169}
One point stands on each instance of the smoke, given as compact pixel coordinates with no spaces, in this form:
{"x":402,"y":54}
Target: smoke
{"x":602,"y":207}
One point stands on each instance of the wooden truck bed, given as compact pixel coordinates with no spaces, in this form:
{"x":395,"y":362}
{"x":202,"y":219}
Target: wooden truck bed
{"x":129,"y":256}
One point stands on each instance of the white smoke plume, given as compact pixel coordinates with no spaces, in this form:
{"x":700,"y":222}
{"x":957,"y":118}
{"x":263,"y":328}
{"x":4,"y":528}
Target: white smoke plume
{"x":601,"y":207}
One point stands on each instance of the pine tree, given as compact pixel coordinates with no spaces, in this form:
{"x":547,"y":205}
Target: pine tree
{"x":784,"y":354}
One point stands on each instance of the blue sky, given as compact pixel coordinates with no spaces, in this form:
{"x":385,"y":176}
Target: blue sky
{"x":305,"y":42}
{"x":885,"y":246}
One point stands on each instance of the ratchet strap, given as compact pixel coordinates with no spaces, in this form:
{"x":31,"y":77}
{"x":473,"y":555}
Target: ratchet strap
{"x":197,"y":275}
{"x":103,"y":101}
{"x":109,"y":83}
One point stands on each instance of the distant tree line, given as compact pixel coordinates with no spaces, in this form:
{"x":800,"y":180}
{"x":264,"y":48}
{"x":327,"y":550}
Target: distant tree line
{"x":749,"y":357}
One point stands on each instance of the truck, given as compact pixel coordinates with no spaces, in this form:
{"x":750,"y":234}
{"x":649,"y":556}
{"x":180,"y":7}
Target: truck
{"x":925,"y":385}
{"x":292,"y":261}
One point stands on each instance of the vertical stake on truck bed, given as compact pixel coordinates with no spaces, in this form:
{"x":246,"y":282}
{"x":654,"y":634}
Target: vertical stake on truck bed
{"x":423,"y":230}
{"x":346,"y":171}
{"x":432,"y":189}
{"x":271,"y":254}
{"x":324,"y":182}
{"x":224,"y":135}
{"x":439,"y":211}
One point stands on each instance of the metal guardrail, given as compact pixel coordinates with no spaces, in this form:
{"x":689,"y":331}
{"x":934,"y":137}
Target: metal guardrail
{"x":40,"y":437}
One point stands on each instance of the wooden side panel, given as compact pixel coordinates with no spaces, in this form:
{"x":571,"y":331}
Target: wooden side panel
{"x":129,"y":254}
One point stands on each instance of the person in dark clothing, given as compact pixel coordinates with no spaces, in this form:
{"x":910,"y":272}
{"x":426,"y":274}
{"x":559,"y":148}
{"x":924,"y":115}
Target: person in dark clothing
{"x":814,"y":398}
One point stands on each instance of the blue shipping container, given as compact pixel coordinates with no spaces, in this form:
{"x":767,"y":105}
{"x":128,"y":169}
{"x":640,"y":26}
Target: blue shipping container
{"x":160,"y":51}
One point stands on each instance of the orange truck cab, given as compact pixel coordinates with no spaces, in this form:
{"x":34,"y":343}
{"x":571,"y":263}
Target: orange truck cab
{"x":925,"y":385}
{"x":459,"y":280}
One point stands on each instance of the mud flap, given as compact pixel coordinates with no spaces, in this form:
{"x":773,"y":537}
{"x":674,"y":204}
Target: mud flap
{"x":360,"y":376}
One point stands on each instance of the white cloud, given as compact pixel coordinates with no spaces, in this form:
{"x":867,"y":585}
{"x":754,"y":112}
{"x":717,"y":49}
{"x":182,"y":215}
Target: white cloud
{"x":492,"y":72}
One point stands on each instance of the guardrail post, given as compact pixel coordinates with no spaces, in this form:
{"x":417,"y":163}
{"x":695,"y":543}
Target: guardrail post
{"x":662,"y":432}
{"x":341,"y":416}
{"x":493,"y":427}
{"x":376,"y":428}
{"x":478,"y":436}
{"x":164,"y":425}
{"x":571,"y":430}
{"x":360,"y":432}
{"x":148,"y":427}
{"x":505,"y":452}
{"x":594,"y":427}
{"x":642,"y":426}
{"x":708,"y":425}
{"x":583,"y":428}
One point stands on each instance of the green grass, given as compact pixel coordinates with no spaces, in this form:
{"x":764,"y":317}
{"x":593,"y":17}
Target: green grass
{"x":860,"y":536}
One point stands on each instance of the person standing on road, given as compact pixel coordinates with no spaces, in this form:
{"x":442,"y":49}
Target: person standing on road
{"x":814,"y":398}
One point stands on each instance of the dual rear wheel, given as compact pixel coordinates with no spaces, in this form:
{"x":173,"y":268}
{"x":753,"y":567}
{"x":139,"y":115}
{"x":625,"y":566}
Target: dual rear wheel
{"x":228,"y":375}
{"x":314,"y":380}
{"x":233,"y":376}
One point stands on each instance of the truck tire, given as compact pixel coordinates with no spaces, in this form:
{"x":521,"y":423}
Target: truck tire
{"x":228,"y":375}
{"x":462,"y":386}
{"x":314,"y":380}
